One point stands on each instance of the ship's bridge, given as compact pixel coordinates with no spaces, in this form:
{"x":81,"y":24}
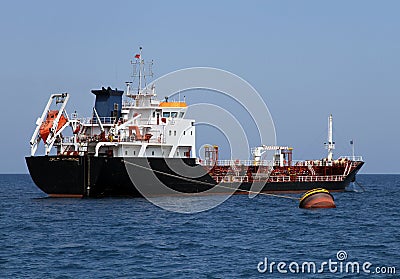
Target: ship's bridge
{"x":170,"y":110}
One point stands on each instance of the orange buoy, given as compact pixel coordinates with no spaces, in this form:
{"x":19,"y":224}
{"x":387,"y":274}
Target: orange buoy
{"x":317,"y":198}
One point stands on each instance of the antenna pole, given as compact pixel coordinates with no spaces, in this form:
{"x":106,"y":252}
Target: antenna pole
{"x":140,"y":69}
{"x":330,"y":145}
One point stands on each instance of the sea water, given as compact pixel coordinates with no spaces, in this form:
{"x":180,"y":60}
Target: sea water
{"x":44,"y":237}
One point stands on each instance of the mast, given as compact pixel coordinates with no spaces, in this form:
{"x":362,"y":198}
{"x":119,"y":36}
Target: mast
{"x":331,"y":144}
{"x":352,"y":149}
{"x":140,"y":70}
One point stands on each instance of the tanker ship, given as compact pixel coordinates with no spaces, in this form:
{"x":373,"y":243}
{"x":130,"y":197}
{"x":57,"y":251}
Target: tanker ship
{"x":134,"y":145}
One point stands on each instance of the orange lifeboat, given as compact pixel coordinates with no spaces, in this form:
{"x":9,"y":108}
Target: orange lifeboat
{"x":46,"y":126}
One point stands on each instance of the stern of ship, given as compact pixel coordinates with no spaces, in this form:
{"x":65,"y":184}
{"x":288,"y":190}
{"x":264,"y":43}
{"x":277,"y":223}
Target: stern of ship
{"x":58,"y":176}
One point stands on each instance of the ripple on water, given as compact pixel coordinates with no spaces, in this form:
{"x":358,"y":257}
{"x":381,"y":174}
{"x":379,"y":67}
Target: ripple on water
{"x":131,"y":238}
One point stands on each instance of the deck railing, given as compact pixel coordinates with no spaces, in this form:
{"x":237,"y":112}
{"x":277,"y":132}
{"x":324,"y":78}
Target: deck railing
{"x":352,"y":158}
{"x":283,"y":178}
{"x":236,"y":163}
{"x":94,"y":120}
{"x":320,"y":178}
{"x":317,"y":163}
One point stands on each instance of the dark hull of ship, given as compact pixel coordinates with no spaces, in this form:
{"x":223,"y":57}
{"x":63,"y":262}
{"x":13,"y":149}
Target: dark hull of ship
{"x":88,"y":176}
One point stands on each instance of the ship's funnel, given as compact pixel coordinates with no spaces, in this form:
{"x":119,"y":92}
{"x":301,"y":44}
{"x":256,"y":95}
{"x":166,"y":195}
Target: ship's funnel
{"x":108,"y":102}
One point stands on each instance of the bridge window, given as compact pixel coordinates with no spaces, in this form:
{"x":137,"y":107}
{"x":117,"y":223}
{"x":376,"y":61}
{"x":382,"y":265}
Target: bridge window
{"x":166,"y":114}
{"x":181,"y":114}
{"x":174,"y":114}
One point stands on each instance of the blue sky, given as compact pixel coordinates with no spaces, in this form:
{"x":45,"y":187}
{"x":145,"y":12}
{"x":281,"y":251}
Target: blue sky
{"x":306,"y":58}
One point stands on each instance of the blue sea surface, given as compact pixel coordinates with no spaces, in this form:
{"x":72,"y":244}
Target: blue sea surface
{"x":44,"y":237}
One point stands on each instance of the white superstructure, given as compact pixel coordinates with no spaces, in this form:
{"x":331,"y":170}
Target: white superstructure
{"x":142,"y":127}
